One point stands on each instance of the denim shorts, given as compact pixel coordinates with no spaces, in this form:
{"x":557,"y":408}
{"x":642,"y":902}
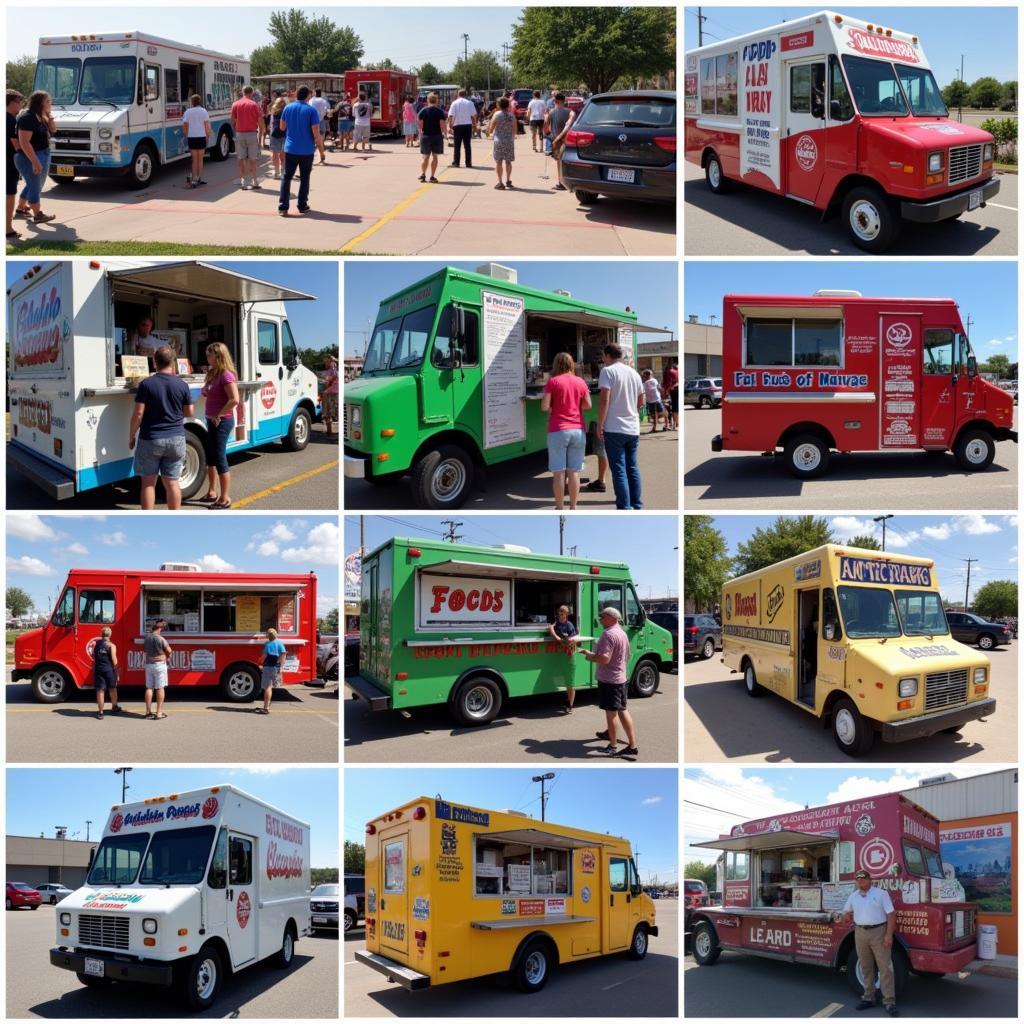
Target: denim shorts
{"x":270,"y":676}
{"x":162,"y":456}
{"x":276,"y":145}
{"x":566,"y":449}
{"x":156,"y":675}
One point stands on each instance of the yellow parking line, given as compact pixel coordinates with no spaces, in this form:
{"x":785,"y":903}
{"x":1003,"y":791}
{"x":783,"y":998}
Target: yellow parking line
{"x":267,"y":491}
{"x":390,"y":215}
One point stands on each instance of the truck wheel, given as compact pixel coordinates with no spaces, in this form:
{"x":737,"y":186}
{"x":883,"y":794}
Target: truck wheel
{"x":716,"y":179}
{"x":298,"y":431}
{"x":708,"y":650}
{"x":754,"y":688}
{"x":477,"y":701}
{"x":222,"y":147}
{"x":350,"y":920}
{"x":638,"y":947}
{"x":91,"y":981}
{"x":851,"y":732}
{"x":900,"y":971}
{"x":706,"y":950}
{"x":50,"y":684}
{"x":240,"y":683}
{"x":974,"y":450}
{"x":986,"y":641}
{"x":806,"y":456}
{"x":193,"y":470}
{"x":286,"y":954}
{"x":645,"y":680}
{"x":442,"y":478}
{"x":143,"y":165}
{"x":531,"y":973}
{"x":871,"y":219}
{"x":201,"y":979}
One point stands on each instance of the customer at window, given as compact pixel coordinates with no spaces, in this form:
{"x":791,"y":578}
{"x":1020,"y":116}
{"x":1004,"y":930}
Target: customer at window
{"x":566,"y":397}
{"x":221,"y":393}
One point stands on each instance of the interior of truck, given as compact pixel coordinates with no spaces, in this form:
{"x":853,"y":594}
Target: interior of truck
{"x":516,"y":869}
{"x":808,"y":624}
{"x":537,"y":601}
{"x":782,"y":870}
{"x":546,"y":337}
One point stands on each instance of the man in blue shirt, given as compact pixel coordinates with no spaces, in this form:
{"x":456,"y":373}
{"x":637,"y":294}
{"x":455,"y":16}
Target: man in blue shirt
{"x":301,"y":125}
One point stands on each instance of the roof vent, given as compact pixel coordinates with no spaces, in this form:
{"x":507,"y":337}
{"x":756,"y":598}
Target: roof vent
{"x":499,"y":272}
{"x":517,"y":548}
{"x":838,"y":293}
{"x":179,"y":567}
{"x":693,"y":318}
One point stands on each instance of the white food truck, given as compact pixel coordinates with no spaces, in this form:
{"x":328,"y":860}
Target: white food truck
{"x":73,"y":369}
{"x":185,"y":890}
{"x":118,"y":98}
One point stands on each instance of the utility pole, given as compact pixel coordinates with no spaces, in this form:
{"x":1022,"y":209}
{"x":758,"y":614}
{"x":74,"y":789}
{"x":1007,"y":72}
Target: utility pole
{"x":572,"y":550}
{"x":504,"y":62}
{"x":882,"y":519}
{"x":87,"y":824}
{"x":465,"y":60}
{"x":452,"y":536}
{"x":960,"y":112}
{"x":967,"y":589}
{"x":561,"y":535}
{"x":123,"y":772}
{"x":546,"y":777}
{"x":362,"y":537}
{"x":968,"y":324}
{"x":62,"y":831}
{"x":700,"y":26}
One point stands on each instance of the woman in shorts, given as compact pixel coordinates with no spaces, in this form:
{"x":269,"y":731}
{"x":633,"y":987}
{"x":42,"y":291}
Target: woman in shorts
{"x":564,"y":630}
{"x":410,"y":125}
{"x":276,"y":138}
{"x":566,"y":397}
{"x":195,"y":125}
{"x":270,"y":669}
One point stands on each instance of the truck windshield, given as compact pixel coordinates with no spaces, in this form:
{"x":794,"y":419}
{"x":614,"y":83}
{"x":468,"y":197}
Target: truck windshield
{"x":921,"y":614}
{"x":868,"y":613}
{"x":177,"y":856}
{"x":117,"y":860}
{"x":59,"y":77}
{"x":876,"y":89}
{"x":399,"y":342}
{"x":922,"y":91}
{"x":108,"y":80}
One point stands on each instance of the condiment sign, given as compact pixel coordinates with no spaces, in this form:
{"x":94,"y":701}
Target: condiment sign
{"x":464,"y":600}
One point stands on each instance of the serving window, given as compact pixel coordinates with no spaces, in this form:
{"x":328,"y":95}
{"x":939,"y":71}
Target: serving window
{"x":737,"y":866}
{"x":537,"y":602}
{"x":718,"y":84}
{"x":546,"y":337}
{"x":780,"y":871}
{"x":221,"y":611}
{"x":793,"y":341}
{"x":518,"y":869}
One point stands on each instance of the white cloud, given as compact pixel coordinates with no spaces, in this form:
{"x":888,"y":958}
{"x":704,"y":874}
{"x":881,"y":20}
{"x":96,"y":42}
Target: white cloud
{"x":648,"y":800}
{"x":28,"y":566}
{"x":975,"y":524}
{"x":77,"y":549}
{"x":27,"y":526}
{"x":996,"y":342}
{"x":322,"y":545}
{"x":845,"y":527}
{"x":896,"y":539}
{"x":281,"y":531}
{"x":115,"y":539}
{"x":214,"y":563}
{"x":269,"y":769}
{"x":941,"y":532}
{"x":268,"y":542}
{"x":325,"y":602}
{"x":267,"y":548}
{"x":1010,"y":521}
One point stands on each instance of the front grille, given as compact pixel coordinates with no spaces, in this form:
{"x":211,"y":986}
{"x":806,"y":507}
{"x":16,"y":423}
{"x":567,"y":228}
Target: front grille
{"x":320,"y":907}
{"x":344,"y":422}
{"x":107,"y":930}
{"x":72,"y":140}
{"x":964,"y":163}
{"x":945,"y":688}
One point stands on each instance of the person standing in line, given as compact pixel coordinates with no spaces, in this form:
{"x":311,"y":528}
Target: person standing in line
{"x":322,"y":106}
{"x":14,"y":100}
{"x":461,"y":122}
{"x":478,"y":105}
{"x":432,"y":129}
{"x":670,"y":392}
{"x":557,"y":123}
{"x":409,"y":123}
{"x":264,"y":102}
{"x":363,"y":111}
{"x":611,"y":655}
{"x":301,"y":125}
{"x":566,"y":398}
{"x":564,"y":630}
{"x":652,"y":397}
{"x":270,"y":668}
{"x":35,"y":125}
{"x":157,"y":651}
{"x":246,"y":119}
{"x":503,"y":130}
{"x":195,"y":126}
{"x":276,"y":138}
{"x":104,"y":673}
{"x":329,"y":395}
{"x":874,"y":917}
{"x":345,"y":123}
{"x":535,"y":114}
{"x":221,"y":393}
{"x":618,"y":425}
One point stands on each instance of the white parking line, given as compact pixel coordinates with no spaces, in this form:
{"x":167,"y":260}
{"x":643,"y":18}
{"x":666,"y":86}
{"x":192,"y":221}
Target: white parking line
{"x":828,"y":1011}
{"x":1001,"y":206}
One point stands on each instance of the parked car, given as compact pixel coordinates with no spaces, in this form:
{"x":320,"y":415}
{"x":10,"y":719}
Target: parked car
{"x":355,"y":900}
{"x":327,"y":658}
{"x":522,"y":98}
{"x":323,"y":907}
{"x":53,"y":892}
{"x":623,"y":145}
{"x":695,"y":895}
{"x":351,"y":654}
{"x":702,"y":636}
{"x":973,"y":629}
{"x":21,"y":895}
{"x":669,"y":621}
{"x":703,"y":392}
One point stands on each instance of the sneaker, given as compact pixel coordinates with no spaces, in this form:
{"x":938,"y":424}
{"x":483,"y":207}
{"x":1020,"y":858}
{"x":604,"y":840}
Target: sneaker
{"x":629,"y":752}
{"x":245,"y":188}
{"x":256,"y":185}
{"x":25,"y":214}
{"x":609,"y":750}
{"x":864,"y":1004}
{"x":304,"y":209}
{"x":596,"y":485}
{"x":602,"y":735}
{"x":282,"y":213}
{"x":892,"y":1011}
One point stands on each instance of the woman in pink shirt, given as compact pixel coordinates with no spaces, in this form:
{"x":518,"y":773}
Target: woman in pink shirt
{"x":566,"y":396}
{"x":329,"y":395}
{"x":221,"y":394}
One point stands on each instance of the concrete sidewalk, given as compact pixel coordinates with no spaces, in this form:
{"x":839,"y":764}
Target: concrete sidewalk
{"x":1003,"y":966}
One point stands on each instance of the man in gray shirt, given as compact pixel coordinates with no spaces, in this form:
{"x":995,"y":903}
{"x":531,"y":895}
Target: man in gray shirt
{"x":557,"y":123}
{"x":618,"y":424}
{"x":158,"y":650}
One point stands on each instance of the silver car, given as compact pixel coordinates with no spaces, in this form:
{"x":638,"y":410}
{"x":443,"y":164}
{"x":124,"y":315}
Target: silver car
{"x":53,"y":892}
{"x":323,"y":907}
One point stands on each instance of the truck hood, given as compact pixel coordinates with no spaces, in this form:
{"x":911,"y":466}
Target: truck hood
{"x":377,"y":389}
{"x":919,"y":655}
{"x":91,"y":117}
{"x":929,"y":133}
{"x":28,"y":648}
{"x":143,"y":900}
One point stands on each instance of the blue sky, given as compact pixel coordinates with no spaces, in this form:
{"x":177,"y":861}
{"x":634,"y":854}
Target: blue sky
{"x":639,"y":805}
{"x":649,"y":289}
{"x":946,"y":539}
{"x":648,"y":552}
{"x":314,"y":324}
{"x":40,"y":798}
{"x":41,"y":549}
{"x":985,"y":291}
{"x":985,"y":35}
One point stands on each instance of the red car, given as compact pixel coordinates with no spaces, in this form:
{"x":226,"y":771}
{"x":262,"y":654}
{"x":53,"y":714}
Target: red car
{"x":21,"y":895}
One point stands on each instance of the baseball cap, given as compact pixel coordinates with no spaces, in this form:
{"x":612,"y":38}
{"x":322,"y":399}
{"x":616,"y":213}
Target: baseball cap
{"x":862,"y":874}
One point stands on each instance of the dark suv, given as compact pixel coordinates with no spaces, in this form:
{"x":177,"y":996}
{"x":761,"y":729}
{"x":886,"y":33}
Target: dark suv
{"x":703,"y":392}
{"x":702,"y":636}
{"x":355,"y":900}
{"x":973,"y":629}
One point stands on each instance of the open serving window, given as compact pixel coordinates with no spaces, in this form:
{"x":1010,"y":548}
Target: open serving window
{"x":220,"y":609}
{"x":523,"y":862}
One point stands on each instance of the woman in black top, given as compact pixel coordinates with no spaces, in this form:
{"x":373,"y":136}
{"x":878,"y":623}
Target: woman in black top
{"x":14,"y":101}
{"x":35,"y":126}
{"x":104,"y":672}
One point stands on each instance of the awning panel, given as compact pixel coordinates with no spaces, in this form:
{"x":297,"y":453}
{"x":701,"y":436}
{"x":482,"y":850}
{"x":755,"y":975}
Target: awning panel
{"x":598,"y":320}
{"x":504,"y":572}
{"x":205,"y":281}
{"x":769,"y":840}
{"x":538,"y":837}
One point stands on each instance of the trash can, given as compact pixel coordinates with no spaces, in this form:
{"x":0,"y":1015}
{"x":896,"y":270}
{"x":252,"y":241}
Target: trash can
{"x":987,"y":941}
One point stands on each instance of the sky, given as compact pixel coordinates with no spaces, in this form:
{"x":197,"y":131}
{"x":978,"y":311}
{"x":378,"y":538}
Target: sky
{"x":984,"y":291}
{"x":649,"y":289}
{"x":985,"y":35}
{"x":639,"y":805}
{"x":649,"y":553}
{"x":40,"y":798}
{"x":946,"y":539}
{"x":314,"y":323}
{"x":41,"y":549}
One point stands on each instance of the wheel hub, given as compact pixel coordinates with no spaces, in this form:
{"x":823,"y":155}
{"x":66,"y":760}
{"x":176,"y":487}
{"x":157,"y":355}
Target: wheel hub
{"x":807,"y":456}
{"x":846,"y":728}
{"x":479,"y":701}
{"x":865,"y":220}
{"x":535,"y":967}
{"x":976,"y":451}
{"x":449,"y":478}
{"x":703,"y":943}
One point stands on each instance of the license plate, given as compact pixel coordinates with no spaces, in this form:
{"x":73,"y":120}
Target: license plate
{"x":319,"y":920}
{"x":94,"y":967}
{"x":64,"y":170}
{"x":621,"y":174}
{"x":974,"y":199}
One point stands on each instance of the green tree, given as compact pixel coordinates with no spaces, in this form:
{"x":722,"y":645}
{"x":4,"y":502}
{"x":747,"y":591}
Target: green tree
{"x":706,"y":873}
{"x":996,"y":598}
{"x":482,"y":71}
{"x":1009,"y":100}
{"x":387,"y":64}
{"x":999,"y":364}
{"x":21,"y":74}
{"x":329,"y":623}
{"x":786,"y":537}
{"x":956,"y":93}
{"x":864,"y":540}
{"x":303,"y":44}
{"x":428,"y":74}
{"x":18,"y":602}
{"x":355,"y":858}
{"x":986,"y":93}
{"x":318,"y":876}
{"x":706,"y":562}
{"x":267,"y":60}
{"x":592,"y":46}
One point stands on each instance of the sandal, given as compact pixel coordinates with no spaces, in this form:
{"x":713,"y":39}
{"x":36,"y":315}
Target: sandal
{"x":208,"y":499}
{"x":116,"y":709}
{"x":162,"y":714}
{"x":433,"y":179}
{"x":508,"y":184}
{"x":221,"y":504}
{"x":149,"y":714}
{"x":13,"y":234}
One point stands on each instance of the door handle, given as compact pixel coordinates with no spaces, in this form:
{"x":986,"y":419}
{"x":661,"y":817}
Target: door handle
{"x":229,"y":894}
{"x":280,"y":373}
{"x":611,"y":899}
{"x":383,"y":904}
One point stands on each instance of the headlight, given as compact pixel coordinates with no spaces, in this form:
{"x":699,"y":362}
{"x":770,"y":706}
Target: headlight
{"x":105,"y":133}
{"x":908,"y":686}
{"x":105,"y":147}
{"x":357,"y":415}
{"x":149,"y":925}
{"x":980,"y":675}
{"x":65,"y":917}
{"x":988,"y":152}
{"x":934,"y":163}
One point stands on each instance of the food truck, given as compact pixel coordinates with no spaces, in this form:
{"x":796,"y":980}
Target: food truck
{"x":454,"y":375}
{"x":386,"y":91}
{"x":446,"y":94}
{"x":216,"y":625}
{"x":332,"y":86}
{"x":839,"y":114}
{"x":186,"y":890}
{"x":859,"y":639}
{"x":467,"y":626}
{"x":455,"y":892}
{"x":118,"y":98}
{"x":786,"y":879}
{"x":837,"y":371}
{"x":73,"y":368}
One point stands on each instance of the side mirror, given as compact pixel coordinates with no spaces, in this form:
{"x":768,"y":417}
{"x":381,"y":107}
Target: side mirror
{"x":458,"y":325}
{"x":972,"y":366}
{"x":835,"y":110}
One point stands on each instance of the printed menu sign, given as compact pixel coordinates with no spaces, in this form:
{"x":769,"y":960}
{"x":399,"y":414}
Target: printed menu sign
{"x":247,"y":613}
{"x":900,"y":341}
{"x":625,"y":340}
{"x":504,"y":369}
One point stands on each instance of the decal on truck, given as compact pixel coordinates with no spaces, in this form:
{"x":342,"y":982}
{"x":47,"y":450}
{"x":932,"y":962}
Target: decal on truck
{"x":243,"y":908}
{"x":881,"y":46}
{"x":38,"y":329}
{"x":806,"y":152}
{"x":871,"y":570}
{"x":759,"y":144}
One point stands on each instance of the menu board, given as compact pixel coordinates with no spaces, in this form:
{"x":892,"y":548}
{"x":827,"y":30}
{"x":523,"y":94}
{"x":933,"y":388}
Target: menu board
{"x":286,"y":613}
{"x":835,"y":894}
{"x":901,"y":356}
{"x":504,"y":369}
{"x":247,"y":614}
{"x":626,"y":344}
{"x":807,"y":897}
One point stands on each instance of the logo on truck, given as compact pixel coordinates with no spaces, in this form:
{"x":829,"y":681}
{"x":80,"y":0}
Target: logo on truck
{"x":116,"y":822}
{"x":210,"y":806}
{"x":881,"y":46}
{"x":744,"y":605}
{"x":268,"y":395}
{"x":775,"y":598}
{"x":243,"y":909}
{"x":899,"y":335}
{"x":38,"y":330}
{"x":876,"y":855}
{"x":806,"y":152}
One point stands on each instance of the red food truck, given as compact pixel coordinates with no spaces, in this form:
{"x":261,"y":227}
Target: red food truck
{"x":839,"y":114}
{"x":216,"y":623}
{"x":386,"y":90}
{"x":837,"y":371}
{"x":786,"y":879}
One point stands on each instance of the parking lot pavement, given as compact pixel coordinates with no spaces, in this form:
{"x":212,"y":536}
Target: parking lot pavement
{"x":604,"y":987}
{"x":898,"y":480}
{"x":37,"y":989}
{"x":533,"y":729}
{"x":302,"y":726}
{"x":720,"y":721}
{"x":270,"y":477}
{"x":748,"y":986}
{"x":526,"y":483}
{"x":750,"y":222}
{"x":366,"y":203}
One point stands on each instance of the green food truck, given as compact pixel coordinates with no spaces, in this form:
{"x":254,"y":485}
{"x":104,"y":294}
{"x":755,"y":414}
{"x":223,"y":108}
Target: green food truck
{"x":468,"y":626}
{"x":454,"y":374}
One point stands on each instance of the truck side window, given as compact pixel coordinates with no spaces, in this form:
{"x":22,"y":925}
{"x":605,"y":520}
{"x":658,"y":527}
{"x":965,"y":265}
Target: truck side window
{"x":266,"y":342}
{"x":289,"y":350}
{"x":938,"y":352}
{"x":394,"y":866}
{"x":441,"y":354}
{"x":737,"y":866}
{"x":152,"y":83}
{"x":634,"y":879}
{"x":96,"y":606}
{"x":831,"y":629}
{"x":769,"y":343}
{"x":171,"y":94}
{"x":800,"y":89}
{"x":217,"y":876}
{"x":617,"y":875}
{"x":633,"y":612}
{"x":840,"y":106}
{"x":239,"y":860}
{"x":609,"y":594}
{"x":64,"y":613}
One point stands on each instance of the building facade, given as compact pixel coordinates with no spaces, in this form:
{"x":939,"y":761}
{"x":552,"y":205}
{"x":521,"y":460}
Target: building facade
{"x":35,"y":860}
{"x":702,"y":348}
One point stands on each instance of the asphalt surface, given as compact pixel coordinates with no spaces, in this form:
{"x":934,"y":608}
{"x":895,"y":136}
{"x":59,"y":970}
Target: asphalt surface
{"x":603,"y":987}
{"x":751,"y":222}
{"x":302,"y":726}
{"x":534,"y":729}
{"x":36,"y":989}
{"x":721,"y":722}
{"x":897,"y":480}
{"x":748,"y":986}
{"x":270,"y":477}
{"x":525,"y":483}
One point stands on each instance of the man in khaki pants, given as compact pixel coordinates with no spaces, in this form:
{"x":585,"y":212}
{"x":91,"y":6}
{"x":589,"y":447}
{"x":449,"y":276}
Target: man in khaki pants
{"x":872,"y":912}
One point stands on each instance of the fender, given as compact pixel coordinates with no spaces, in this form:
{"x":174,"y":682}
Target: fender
{"x":538,"y":934}
{"x":479,"y":670}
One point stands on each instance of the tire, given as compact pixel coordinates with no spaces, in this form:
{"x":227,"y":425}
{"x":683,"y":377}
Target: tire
{"x":646,"y":678}
{"x":299,"y":430}
{"x":286,"y":954}
{"x":900,"y":971}
{"x":350,"y":920}
{"x":53,"y":901}
{"x":193,"y":470}
{"x":986,"y":642}
{"x":10,"y":906}
{"x":35,"y":906}
{"x":704,"y":403}
{"x":442,"y":478}
{"x":707,"y":652}
{"x":91,"y":981}
{"x":586,"y":198}
{"x":974,"y":450}
{"x":240,"y":683}
{"x":50,"y":684}
{"x":753,"y":687}
{"x":715,"y":176}
{"x":221,"y":149}
{"x":853,"y":736}
{"x":477,"y":701}
{"x":531,"y":972}
{"x":704,"y":943}
{"x":143,"y":166}
{"x":871,"y":219}
{"x":200,"y":980}
{"x":806,"y":456}
{"x":638,"y":945}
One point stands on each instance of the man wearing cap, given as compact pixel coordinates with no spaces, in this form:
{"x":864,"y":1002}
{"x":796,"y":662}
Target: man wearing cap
{"x":872,"y":912}
{"x":611,"y":655}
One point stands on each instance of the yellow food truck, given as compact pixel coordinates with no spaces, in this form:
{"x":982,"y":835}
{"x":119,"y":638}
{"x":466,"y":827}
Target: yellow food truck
{"x":455,"y":892}
{"x":858,"y":638}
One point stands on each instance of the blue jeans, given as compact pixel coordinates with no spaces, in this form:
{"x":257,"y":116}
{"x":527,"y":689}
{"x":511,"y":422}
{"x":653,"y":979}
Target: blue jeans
{"x":217,"y":444}
{"x":304,"y":165}
{"x":624,"y":468}
{"x":33,"y":190}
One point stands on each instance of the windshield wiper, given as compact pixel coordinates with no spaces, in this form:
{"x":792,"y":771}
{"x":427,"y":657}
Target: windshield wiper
{"x":99,"y":99}
{"x":408,"y":362}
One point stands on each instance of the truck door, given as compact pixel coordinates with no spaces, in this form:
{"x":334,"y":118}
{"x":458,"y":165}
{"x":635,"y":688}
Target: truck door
{"x":947,"y":393}
{"x":267,"y":403}
{"x":394,"y":892}
{"x":368,"y":636}
{"x":808,"y":617}
{"x":372,"y":88}
{"x":456,"y":354}
{"x":904,"y":388}
{"x":96,"y":607}
{"x":241,"y":897}
{"x":803,"y":139}
{"x":60,"y":634}
{"x":617,"y":903}
{"x":174,"y":143}
{"x":151,"y":97}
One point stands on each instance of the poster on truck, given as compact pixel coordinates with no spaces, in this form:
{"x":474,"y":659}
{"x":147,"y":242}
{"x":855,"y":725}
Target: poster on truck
{"x":901,"y":355}
{"x":38,"y":329}
{"x":464,"y":600}
{"x":759,"y":119}
{"x":504,"y":369}
{"x":981,"y":860}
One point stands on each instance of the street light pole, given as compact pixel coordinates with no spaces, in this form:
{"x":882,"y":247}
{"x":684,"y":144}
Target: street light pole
{"x":62,"y":831}
{"x":123,"y":772}
{"x":546,"y":777}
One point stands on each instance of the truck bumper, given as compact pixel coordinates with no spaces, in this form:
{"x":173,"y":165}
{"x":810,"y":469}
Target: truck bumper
{"x":370,"y":693}
{"x":52,"y":481}
{"x":84,"y":169}
{"x":716,"y":443}
{"x":409,"y":979}
{"x":937,"y":960}
{"x":947,"y":206}
{"x":355,"y":468}
{"x":927,"y":725}
{"x":118,"y":970}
